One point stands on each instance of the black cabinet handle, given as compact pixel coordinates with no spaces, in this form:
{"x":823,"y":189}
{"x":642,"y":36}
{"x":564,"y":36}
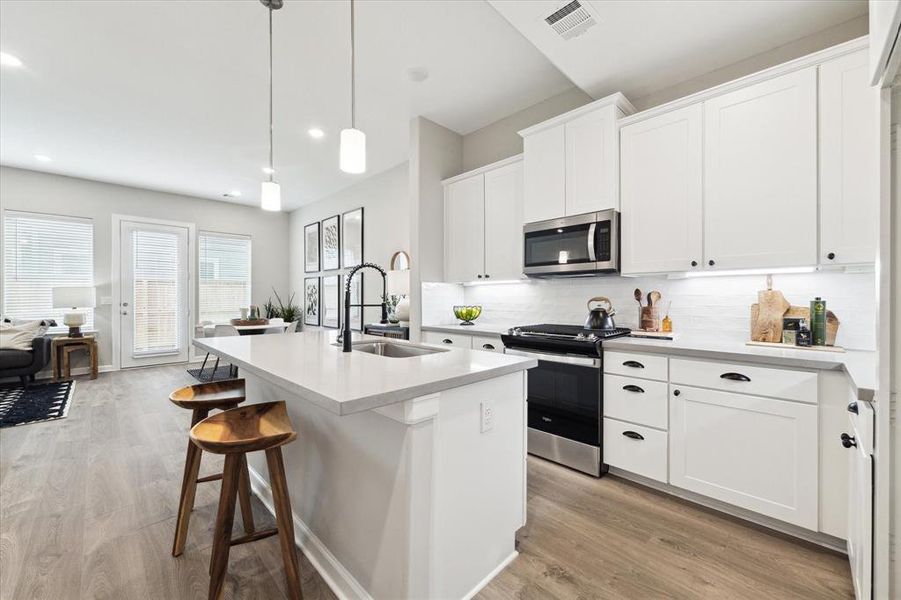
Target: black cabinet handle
{"x":711,"y":262}
{"x":694,"y":263}
{"x":479,"y":276}
{"x":447,"y":341}
{"x":487,"y":346}
{"x":633,"y":434}
{"x":831,"y":256}
{"x":487,"y":275}
{"x":848,"y":441}
{"x":634,"y":364}
{"x":633,"y":388}
{"x":735,"y":377}
{"x":676,"y":393}
{"x":852,"y":408}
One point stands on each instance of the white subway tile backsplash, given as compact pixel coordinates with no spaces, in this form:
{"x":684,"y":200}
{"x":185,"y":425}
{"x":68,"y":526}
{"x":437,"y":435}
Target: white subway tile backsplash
{"x":710,"y":306}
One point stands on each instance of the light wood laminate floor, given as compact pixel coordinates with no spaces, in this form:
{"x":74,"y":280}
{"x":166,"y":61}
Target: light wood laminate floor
{"x":88,"y":503}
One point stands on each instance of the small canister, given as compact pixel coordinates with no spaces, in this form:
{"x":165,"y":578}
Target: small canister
{"x":790,"y":327}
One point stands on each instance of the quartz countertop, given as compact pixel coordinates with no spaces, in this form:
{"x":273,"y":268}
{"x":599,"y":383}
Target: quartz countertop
{"x":475,"y":329}
{"x":860,"y":366}
{"x":310,"y":365}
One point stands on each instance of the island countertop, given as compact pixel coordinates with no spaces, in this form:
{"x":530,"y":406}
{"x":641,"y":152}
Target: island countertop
{"x":310,"y":365}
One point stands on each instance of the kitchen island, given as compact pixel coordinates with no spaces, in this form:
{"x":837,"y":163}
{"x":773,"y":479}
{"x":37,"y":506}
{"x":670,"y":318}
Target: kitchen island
{"x":407,"y":479}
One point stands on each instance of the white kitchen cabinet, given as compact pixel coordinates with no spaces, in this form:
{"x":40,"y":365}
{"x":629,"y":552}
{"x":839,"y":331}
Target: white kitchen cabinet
{"x":591,"y":162}
{"x":635,"y":448}
{"x":503,"y":222}
{"x":661,"y":193}
{"x":483,"y":223}
{"x":760,"y":174}
{"x":849,"y":199}
{"x":487,"y":343}
{"x":544,"y":175}
{"x":464,"y":229}
{"x":455,"y":340}
{"x":756,"y":453}
{"x":571,"y":164}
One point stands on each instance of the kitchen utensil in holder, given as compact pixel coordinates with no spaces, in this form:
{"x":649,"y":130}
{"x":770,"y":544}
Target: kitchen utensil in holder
{"x":649,"y":318}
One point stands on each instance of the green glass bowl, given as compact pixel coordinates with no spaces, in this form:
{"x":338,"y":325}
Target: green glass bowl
{"x":467,"y":314}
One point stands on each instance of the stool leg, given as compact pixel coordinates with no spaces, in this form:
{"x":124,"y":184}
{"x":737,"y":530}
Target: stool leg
{"x":188,"y":488}
{"x":244,"y":497}
{"x":222,"y":534}
{"x":284,"y":520}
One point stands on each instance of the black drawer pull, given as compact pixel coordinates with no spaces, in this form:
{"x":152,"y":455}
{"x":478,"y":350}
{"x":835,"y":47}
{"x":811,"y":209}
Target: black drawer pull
{"x":633,"y":388}
{"x":633,"y":434}
{"x":487,"y":346}
{"x":447,"y":341}
{"x":735,"y":377}
{"x":634,"y":364}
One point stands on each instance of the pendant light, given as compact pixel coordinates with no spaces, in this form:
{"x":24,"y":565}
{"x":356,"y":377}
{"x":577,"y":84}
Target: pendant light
{"x":270,"y":191}
{"x":352,"y":158}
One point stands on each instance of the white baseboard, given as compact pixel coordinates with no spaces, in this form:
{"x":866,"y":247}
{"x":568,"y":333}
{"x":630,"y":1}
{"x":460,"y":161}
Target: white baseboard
{"x":338,"y":578}
{"x":494,"y":573}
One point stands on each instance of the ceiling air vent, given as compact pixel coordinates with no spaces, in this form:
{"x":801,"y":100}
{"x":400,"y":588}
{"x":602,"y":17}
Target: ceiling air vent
{"x":570,"y":20}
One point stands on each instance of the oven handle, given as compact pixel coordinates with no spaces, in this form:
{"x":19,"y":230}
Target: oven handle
{"x":592,"y":255}
{"x":582,"y":361}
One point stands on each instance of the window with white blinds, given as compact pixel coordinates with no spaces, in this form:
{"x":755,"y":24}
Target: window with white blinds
{"x":224,"y":268}
{"x":41,"y":252}
{"x":158,"y":292}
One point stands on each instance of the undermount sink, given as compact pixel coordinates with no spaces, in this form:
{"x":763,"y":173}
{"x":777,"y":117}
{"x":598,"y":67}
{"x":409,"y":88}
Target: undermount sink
{"x":392,"y":350}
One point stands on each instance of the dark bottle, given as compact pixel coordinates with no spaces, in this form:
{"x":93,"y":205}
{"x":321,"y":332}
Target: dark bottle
{"x":804,"y":338}
{"x":818,"y":321}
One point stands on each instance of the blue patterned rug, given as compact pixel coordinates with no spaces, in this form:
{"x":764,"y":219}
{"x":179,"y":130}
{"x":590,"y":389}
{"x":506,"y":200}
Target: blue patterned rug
{"x":38,"y":402}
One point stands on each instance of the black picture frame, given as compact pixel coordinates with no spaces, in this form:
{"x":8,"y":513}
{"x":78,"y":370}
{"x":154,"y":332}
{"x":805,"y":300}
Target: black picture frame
{"x":356,"y":297}
{"x":334,"y":296}
{"x":330,"y":261}
{"x":310,"y":264}
{"x":350,"y":238}
{"x":312,"y":305}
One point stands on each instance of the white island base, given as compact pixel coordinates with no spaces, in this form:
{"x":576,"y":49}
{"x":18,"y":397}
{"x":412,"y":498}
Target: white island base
{"x":411,"y":500}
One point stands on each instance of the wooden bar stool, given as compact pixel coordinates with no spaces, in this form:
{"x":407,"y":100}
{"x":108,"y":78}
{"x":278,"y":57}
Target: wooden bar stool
{"x":234,"y":433}
{"x":201,"y":399}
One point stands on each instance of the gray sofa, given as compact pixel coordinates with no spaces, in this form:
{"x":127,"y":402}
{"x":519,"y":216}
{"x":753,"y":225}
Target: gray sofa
{"x":25,"y":364}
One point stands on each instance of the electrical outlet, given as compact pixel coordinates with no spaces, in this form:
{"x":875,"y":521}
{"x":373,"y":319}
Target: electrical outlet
{"x":487,"y":416}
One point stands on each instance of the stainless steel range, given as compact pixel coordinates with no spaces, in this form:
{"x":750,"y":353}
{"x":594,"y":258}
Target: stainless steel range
{"x":566,"y":391}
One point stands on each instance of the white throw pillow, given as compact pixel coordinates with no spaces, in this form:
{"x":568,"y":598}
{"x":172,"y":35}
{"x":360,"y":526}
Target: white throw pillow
{"x":19,"y":337}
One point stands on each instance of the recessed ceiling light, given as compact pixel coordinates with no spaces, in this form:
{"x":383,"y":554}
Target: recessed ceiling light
{"x":42,"y":157}
{"x":316,"y":133}
{"x":233,"y":194}
{"x":268,"y":170}
{"x":8,"y":60}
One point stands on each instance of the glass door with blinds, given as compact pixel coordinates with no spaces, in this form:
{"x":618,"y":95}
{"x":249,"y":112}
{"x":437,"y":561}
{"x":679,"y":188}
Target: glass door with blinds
{"x":154,"y":299}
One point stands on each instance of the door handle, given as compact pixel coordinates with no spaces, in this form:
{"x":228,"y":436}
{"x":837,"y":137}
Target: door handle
{"x":634,"y":364}
{"x":633,"y":434}
{"x":633,"y":388}
{"x":735,"y":377}
{"x":848,"y":441}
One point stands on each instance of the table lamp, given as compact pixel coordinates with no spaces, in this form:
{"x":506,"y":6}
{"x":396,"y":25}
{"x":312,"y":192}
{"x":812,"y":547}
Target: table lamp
{"x":74,"y":298}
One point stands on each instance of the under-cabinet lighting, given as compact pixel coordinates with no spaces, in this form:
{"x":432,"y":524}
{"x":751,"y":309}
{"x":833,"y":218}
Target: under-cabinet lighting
{"x":739,"y":272}
{"x":495,"y":282}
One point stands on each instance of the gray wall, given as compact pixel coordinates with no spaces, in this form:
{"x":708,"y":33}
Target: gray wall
{"x":55,"y":194}
{"x":386,"y":228}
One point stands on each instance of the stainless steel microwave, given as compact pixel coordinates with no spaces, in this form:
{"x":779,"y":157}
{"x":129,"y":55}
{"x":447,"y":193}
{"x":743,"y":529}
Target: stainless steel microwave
{"x":579,"y":245}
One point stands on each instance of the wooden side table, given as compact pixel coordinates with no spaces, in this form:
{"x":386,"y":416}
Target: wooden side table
{"x":62,"y":347}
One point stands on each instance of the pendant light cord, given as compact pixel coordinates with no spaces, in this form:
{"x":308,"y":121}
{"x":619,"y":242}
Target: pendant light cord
{"x":271,"y":154}
{"x":353,"y":72}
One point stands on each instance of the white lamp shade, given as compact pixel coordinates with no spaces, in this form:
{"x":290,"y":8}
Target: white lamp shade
{"x":83,"y":296}
{"x":352,"y":156}
{"x":398,"y":283}
{"x":271,"y":196}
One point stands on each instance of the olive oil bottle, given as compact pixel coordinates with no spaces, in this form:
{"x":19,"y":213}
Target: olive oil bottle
{"x":818,"y":321}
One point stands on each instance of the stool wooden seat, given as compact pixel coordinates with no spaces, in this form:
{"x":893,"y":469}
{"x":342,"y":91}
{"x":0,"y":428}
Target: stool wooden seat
{"x":201,"y":399}
{"x":233,"y":433}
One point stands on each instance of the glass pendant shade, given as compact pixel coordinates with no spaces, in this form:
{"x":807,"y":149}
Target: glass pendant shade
{"x":353,"y":151}
{"x":271,"y":196}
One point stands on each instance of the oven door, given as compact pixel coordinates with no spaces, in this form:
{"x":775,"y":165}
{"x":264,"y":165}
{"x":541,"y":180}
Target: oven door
{"x":572,"y":245}
{"x":564,"y":395}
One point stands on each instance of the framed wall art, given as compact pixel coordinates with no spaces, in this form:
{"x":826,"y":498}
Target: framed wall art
{"x":311,"y":301}
{"x":311,"y":248}
{"x":352,"y":230}
{"x":331,"y":305}
{"x":331,"y":243}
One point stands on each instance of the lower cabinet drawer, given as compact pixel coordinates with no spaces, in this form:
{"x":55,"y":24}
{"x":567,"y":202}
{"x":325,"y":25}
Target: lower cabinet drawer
{"x":487,"y":343}
{"x":447,"y":339}
{"x":636,"y":400}
{"x":637,"y":449}
{"x":746,"y":379}
{"x":636,"y":364}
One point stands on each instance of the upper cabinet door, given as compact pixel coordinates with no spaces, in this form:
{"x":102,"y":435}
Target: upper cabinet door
{"x":661,"y":181}
{"x":544,"y":175}
{"x":849,"y":144}
{"x":760,"y":180}
{"x":503,"y":222}
{"x":591,"y":167}
{"x":464,"y":233}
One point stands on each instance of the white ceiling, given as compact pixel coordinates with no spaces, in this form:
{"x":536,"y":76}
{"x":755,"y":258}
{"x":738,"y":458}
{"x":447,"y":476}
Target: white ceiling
{"x":172,"y":95}
{"x":642,"y":47}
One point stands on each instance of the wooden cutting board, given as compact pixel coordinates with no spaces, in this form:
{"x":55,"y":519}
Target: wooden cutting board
{"x":766,"y":316}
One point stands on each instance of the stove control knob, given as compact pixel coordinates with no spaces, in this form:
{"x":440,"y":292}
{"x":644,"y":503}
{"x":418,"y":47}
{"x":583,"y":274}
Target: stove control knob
{"x":516,"y":331}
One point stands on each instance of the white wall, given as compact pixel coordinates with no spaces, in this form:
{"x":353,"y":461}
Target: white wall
{"x":55,"y":194}
{"x":385,"y":200}
{"x":708,"y":307}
